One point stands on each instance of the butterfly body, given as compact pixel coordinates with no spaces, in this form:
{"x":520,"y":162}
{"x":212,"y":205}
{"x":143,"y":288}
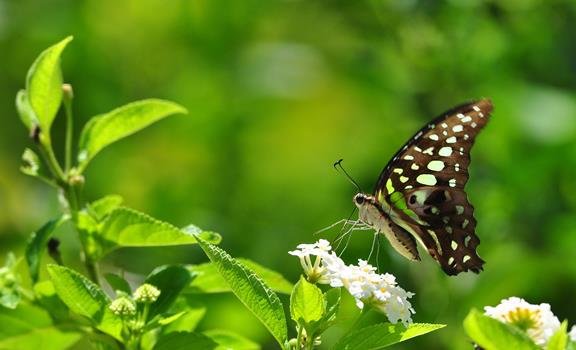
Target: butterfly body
{"x":420,"y":195}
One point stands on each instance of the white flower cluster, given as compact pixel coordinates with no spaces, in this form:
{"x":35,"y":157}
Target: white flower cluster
{"x":572,"y":334}
{"x":537,"y":321}
{"x":379,"y":291}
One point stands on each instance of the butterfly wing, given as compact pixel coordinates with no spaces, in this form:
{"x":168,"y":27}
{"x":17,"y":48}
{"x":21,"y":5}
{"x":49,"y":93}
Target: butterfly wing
{"x":423,"y":185}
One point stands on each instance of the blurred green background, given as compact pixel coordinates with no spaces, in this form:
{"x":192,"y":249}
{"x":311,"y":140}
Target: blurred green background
{"x":279,"y":90}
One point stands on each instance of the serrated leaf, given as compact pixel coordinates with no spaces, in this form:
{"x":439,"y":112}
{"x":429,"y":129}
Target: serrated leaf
{"x":306,"y":302}
{"x":230,"y":340}
{"x":185,"y":341}
{"x":44,"y":85}
{"x":105,"y":205}
{"x":492,"y":334}
{"x":25,"y":111}
{"x":29,"y":327}
{"x":117,"y":283}
{"x":382,"y":335}
{"x":37,"y":245}
{"x":129,"y":228}
{"x":108,"y":128}
{"x":208,"y":279}
{"x":170,"y":280}
{"x":559,"y":340}
{"x":85,"y":298}
{"x":250,"y":290}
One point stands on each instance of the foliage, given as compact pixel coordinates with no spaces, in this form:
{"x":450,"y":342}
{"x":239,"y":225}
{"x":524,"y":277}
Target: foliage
{"x":161,"y":313}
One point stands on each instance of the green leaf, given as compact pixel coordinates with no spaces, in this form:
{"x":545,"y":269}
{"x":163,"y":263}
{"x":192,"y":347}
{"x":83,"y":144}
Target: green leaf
{"x":170,"y":280}
{"x":332,"y":298}
{"x":44,"y":85}
{"x":230,"y":340}
{"x":208,"y":279}
{"x":29,"y":327}
{"x":108,"y":128}
{"x":250,"y":290}
{"x":105,"y":205}
{"x":118,"y":283}
{"x":46,"y":297}
{"x":129,"y":228}
{"x":185,"y":341}
{"x":382,"y":335}
{"x":193,"y":312}
{"x":25,"y":111}
{"x":492,"y":334}
{"x":85,"y":298}
{"x":306,"y":302}
{"x":559,"y":340}
{"x":37,"y":245}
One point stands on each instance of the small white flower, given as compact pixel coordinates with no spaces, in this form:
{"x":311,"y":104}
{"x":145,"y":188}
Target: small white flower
{"x":572,"y":334}
{"x":315,"y":270}
{"x":369,"y":288}
{"x":537,"y":321}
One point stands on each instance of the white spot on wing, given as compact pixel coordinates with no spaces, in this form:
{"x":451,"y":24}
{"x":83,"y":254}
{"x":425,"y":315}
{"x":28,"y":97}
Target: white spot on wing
{"x":426,"y":179}
{"x":433,"y":137}
{"x":436,"y":165}
{"x":452,"y":182}
{"x":451,"y":139}
{"x":403,"y":179}
{"x":444,"y":125}
{"x":445,"y":151}
{"x":459,"y":209}
{"x":428,"y":151}
{"x":414,"y":166}
{"x":457,"y":128}
{"x":454,"y":245}
{"x":408,"y":157}
{"x":398,"y":170}
{"x":466,"y":119}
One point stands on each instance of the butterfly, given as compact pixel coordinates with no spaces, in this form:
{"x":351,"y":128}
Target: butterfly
{"x":420,"y":197}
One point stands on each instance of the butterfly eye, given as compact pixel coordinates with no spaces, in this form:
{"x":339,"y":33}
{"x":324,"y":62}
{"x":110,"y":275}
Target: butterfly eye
{"x":359,"y":199}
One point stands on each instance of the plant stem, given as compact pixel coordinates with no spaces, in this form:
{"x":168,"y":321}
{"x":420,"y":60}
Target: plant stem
{"x":50,"y":159}
{"x":67,"y":101}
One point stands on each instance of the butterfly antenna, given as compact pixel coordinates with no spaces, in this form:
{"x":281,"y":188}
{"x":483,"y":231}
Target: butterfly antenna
{"x":337,"y":165}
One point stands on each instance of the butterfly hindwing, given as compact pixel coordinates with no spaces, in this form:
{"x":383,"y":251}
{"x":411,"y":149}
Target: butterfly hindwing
{"x":424,"y":185}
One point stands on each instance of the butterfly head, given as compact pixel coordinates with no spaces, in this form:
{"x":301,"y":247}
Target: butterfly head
{"x":361,"y":199}
{"x":368,"y":208}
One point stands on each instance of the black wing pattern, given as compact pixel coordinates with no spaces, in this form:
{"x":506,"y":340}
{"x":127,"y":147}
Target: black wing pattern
{"x":424,"y":185}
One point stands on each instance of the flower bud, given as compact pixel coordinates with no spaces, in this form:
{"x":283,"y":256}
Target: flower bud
{"x":123,"y":306}
{"x":146,"y":294}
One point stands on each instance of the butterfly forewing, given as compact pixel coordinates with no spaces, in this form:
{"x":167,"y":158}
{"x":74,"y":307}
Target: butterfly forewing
{"x":424,"y":185}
